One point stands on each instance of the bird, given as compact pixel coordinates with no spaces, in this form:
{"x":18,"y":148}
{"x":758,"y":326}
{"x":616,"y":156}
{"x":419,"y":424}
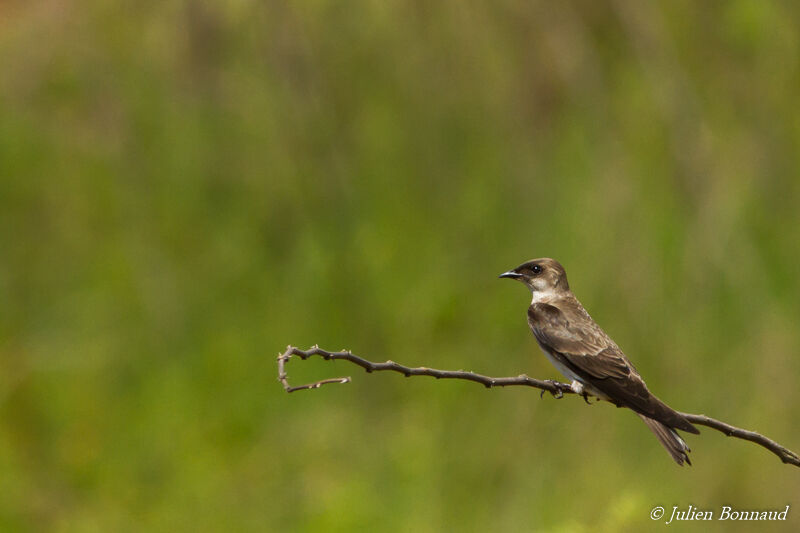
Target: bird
{"x":589,"y":358}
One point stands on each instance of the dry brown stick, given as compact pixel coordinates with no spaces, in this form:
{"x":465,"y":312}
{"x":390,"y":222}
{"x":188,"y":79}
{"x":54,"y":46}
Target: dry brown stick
{"x":556,"y":388}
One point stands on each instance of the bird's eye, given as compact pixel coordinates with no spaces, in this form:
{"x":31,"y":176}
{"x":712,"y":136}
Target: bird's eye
{"x":536,"y":269}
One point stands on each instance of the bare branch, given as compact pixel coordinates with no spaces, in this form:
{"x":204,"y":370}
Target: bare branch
{"x":784,"y":454}
{"x":556,"y":388}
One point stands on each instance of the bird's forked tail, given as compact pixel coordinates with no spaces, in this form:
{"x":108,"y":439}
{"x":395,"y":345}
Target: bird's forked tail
{"x":669,"y":438}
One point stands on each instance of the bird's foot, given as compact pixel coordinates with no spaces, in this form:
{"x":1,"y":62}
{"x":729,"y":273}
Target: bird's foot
{"x":557,"y":393}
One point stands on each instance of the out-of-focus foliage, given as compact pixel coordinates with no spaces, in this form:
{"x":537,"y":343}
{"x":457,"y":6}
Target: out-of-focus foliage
{"x":187,"y":187}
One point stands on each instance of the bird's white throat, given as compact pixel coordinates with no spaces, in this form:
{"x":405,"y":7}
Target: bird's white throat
{"x":542,"y":296}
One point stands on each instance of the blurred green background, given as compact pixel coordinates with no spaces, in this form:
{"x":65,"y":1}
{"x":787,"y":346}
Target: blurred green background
{"x":189,"y":187}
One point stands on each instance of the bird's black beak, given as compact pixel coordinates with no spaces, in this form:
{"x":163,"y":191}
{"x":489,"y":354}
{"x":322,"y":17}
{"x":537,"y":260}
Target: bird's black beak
{"x":510,"y":274}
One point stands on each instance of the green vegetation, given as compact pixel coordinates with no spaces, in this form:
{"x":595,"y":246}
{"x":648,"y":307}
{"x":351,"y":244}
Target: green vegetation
{"x":188,"y":188}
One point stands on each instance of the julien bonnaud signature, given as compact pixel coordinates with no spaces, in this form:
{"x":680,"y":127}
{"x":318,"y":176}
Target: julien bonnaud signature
{"x":725,"y":513}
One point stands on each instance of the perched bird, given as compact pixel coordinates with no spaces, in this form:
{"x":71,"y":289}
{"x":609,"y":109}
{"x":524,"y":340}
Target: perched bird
{"x":587,"y":356}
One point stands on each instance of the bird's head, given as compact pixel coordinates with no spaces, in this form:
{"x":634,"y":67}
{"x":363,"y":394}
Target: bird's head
{"x":544,"y":277}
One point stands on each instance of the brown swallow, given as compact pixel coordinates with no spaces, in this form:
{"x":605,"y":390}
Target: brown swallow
{"x":587,"y":356}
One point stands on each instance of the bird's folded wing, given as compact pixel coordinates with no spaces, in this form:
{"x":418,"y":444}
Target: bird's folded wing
{"x":580,"y":341}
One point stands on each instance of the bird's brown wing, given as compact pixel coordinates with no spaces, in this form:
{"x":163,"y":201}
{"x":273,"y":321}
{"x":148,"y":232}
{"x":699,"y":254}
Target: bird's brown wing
{"x":572,"y":337}
{"x":579,"y":341}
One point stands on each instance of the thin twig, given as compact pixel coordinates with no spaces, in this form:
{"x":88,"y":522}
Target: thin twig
{"x":784,"y":454}
{"x":556,"y":388}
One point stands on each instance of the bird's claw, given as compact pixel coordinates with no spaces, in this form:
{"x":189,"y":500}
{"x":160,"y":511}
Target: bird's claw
{"x":557,"y":393}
